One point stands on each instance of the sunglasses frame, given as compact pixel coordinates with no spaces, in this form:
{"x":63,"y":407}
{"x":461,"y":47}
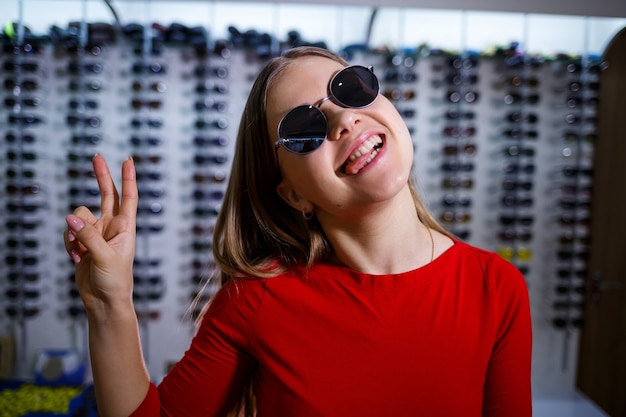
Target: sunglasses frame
{"x":283,"y":141}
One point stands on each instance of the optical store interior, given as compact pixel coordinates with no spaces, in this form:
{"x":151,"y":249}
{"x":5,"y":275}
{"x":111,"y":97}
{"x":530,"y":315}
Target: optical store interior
{"x":501,"y":99}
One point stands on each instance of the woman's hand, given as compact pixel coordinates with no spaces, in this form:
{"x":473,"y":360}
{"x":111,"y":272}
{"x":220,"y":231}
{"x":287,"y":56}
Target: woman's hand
{"x":103,"y":248}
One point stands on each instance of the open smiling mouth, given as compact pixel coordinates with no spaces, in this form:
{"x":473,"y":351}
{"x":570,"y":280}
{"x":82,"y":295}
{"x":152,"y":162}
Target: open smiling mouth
{"x":363,"y":155}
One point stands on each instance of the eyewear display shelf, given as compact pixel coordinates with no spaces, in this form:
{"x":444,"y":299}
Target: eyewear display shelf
{"x":503,"y":149}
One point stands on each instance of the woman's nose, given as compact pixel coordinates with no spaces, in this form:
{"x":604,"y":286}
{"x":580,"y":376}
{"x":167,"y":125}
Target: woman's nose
{"x":341,"y":121}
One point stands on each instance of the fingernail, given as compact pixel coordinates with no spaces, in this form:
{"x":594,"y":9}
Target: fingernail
{"x":71,"y":236}
{"x":96,"y":154}
{"x":74,"y":223}
{"x":75,"y":256}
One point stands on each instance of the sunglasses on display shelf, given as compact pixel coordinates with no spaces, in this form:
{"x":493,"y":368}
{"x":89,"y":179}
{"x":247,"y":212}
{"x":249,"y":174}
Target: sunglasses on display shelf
{"x":451,"y":200}
{"x":24,"y":119}
{"x":396,"y":94}
{"x":570,"y":204}
{"x":568,"y":305}
{"x":521,"y":117}
{"x":83,"y":191}
{"x":149,"y":104}
{"x":574,"y":119}
{"x":207,"y":71}
{"x":147,"y":262}
{"x":80,"y":173}
{"x":77,"y":68}
{"x":209,"y":103}
{"x":572,"y":238}
{"x":206,"y":211}
{"x":27,"y":85}
{"x":458,"y":131}
{"x":578,"y":86}
{"x":22,"y":311}
{"x":512,"y":185}
{"x":13,"y":173}
{"x":510,"y":220}
{"x":156,"y":86}
{"x":456,"y":114}
{"x":573,"y":171}
{"x":457,"y":182}
{"x":82,"y":105}
{"x":517,"y":98}
{"x":21,"y":137}
{"x":304,"y":128}
{"x":457,"y":166}
{"x":201,"y":246}
{"x":21,"y":225}
{"x":214,"y":177}
{"x":218,"y":159}
{"x":26,"y":66}
{"x":23,"y":190}
{"x":397,"y":75}
{"x":11,"y":102}
{"x":151,"y":295}
{"x":519,"y":81}
{"x":146,"y":159}
{"x":22,"y":260}
{"x":515,"y":168}
{"x":462,"y":63}
{"x":453,"y":150}
{"x":517,"y":133}
{"x":86,"y":139}
{"x":565,"y":322}
{"x":151,"y":209}
{"x":75,"y":311}
{"x":150,"y":68}
{"x":574,"y":102}
{"x":75,"y":157}
{"x":515,"y":150}
{"x":13,"y":243}
{"x":569,"y":289}
{"x":589,"y":137}
{"x":148,"y":314}
{"x":85,"y":85}
{"x":149,"y":176}
{"x":15,"y":277}
{"x":209,"y":86}
{"x":148,"y":279}
{"x":570,"y":219}
{"x":13,"y":207}
{"x":87,"y":121}
{"x":458,"y":96}
{"x":456,"y":78}
{"x":145,"y":141}
{"x":511,"y":235}
{"x":512,"y":200}
{"x":451,"y":216}
{"x":522,"y":254}
{"x":210,"y":141}
{"x":217,"y":195}
{"x":220,"y":123}
{"x":144,"y":228}
{"x":14,"y":294}
{"x":568,"y":254}
{"x":202,"y":230}
{"x":151,"y":192}
{"x":137,"y":123}
{"x":571,"y":273}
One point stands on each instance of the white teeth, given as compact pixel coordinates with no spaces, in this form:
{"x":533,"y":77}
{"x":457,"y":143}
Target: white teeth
{"x":366,"y":147}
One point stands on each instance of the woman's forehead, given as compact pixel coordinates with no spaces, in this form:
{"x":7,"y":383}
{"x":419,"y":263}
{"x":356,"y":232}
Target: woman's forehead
{"x":301,"y":82}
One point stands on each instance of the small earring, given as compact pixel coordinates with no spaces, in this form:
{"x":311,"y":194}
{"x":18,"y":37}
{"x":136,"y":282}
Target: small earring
{"x":308,"y":215}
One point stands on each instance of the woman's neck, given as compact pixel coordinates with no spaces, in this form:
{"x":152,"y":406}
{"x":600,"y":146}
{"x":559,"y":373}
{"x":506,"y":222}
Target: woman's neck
{"x":385,"y":240}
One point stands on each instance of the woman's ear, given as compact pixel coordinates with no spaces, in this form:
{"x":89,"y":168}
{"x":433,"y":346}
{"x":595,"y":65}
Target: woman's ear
{"x":292,"y":197}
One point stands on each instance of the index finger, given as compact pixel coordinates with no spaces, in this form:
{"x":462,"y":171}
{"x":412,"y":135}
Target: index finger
{"x":108,"y":193}
{"x":130,"y":195}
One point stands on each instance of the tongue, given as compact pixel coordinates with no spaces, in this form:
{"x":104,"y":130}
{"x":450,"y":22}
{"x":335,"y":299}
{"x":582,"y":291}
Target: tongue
{"x":355,"y":166}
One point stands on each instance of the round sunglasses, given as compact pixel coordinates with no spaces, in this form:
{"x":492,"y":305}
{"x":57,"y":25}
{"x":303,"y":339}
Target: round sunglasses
{"x":304,"y":128}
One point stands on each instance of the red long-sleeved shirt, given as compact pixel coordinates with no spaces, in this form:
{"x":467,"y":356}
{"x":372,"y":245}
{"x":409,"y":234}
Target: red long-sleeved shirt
{"x":452,"y":338}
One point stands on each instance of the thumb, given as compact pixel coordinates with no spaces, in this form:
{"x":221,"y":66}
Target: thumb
{"x":87,"y":235}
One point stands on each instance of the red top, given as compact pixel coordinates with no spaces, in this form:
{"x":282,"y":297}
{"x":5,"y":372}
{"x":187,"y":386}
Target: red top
{"x":452,"y":338}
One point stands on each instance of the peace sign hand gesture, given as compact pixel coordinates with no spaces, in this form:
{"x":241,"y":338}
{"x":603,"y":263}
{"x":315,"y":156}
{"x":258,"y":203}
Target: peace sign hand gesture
{"x":103,"y":248}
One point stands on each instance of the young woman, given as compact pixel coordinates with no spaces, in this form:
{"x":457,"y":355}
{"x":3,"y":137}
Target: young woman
{"x":341,"y":296}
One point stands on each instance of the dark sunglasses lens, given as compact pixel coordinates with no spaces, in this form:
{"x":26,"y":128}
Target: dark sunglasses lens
{"x":303,"y":129}
{"x":354,"y":87}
